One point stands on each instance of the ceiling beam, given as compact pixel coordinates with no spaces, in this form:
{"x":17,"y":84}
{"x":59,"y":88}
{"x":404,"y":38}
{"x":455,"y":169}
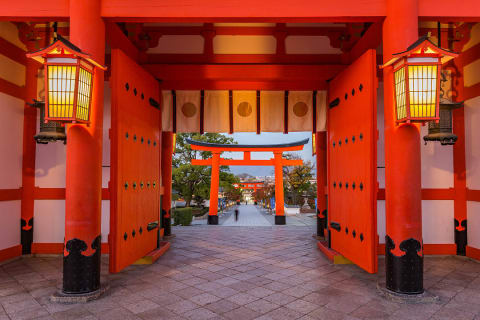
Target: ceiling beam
{"x":243,"y":76}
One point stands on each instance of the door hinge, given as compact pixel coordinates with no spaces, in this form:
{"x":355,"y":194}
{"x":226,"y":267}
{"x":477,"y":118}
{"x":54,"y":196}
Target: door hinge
{"x":335,"y":225}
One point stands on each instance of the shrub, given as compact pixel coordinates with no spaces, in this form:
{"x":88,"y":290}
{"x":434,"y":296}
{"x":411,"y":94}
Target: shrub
{"x":182,"y":216}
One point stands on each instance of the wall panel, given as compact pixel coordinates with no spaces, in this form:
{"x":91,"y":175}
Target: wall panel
{"x":10,"y":224}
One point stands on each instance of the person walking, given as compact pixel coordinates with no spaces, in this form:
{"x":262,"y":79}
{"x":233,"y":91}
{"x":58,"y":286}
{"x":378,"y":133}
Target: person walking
{"x":236,"y":214}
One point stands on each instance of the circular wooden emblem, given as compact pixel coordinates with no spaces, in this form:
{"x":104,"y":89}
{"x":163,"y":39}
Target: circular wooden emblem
{"x":189,"y":109}
{"x":244,"y":109}
{"x":300,"y":109}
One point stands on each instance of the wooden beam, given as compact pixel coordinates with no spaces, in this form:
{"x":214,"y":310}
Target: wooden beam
{"x":12,"y":89}
{"x":241,"y":162}
{"x":244,"y":77}
{"x":13,"y":52}
{"x":238,"y":11}
{"x":117,"y":40}
{"x":370,"y":40}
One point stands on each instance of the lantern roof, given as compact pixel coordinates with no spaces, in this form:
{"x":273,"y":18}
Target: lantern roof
{"x":423,"y":47}
{"x":62,"y":46}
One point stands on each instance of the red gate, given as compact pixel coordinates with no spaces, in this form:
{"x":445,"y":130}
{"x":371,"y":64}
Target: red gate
{"x":352,"y":162}
{"x":135,"y":186}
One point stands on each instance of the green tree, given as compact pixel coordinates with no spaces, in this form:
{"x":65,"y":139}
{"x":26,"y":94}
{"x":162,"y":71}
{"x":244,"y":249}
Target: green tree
{"x":193,"y":182}
{"x":297,"y":180}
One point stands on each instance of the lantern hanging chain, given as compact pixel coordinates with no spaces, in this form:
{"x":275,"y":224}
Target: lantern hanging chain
{"x":55,"y":27}
{"x":439,"y":34}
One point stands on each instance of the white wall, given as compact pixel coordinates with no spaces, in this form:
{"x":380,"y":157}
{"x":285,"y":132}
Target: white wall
{"x":437,"y":173}
{"x":50,"y":173}
{"x":11,"y":141}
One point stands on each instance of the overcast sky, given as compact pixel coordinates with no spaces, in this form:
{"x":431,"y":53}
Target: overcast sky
{"x":267,"y":138}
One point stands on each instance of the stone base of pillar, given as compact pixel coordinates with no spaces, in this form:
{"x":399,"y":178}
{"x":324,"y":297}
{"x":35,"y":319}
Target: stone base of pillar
{"x":280,"y":220}
{"x":212,"y":219}
{"x":419,"y":298}
{"x":70,"y":298}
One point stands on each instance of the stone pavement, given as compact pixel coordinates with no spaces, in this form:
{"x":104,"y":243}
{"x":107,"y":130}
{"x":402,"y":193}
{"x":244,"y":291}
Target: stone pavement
{"x":248,"y":216}
{"x":215,"y":272}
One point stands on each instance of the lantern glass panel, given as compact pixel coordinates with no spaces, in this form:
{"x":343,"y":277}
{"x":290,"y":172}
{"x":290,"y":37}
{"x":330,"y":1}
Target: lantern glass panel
{"x":400,"y":93}
{"x":84,"y":94}
{"x":422,"y":83}
{"x":61,"y":90}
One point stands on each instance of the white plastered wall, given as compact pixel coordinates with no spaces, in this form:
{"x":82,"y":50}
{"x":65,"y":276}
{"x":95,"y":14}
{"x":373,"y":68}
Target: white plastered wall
{"x":11,"y":140}
{"x":472,"y":141}
{"x":437,"y":173}
{"x":50,"y":173}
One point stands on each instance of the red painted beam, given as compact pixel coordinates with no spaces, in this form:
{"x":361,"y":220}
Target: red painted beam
{"x":230,"y":162}
{"x":370,"y":40}
{"x":12,"y":89}
{"x":117,"y":40}
{"x":295,"y":59}
{"x":10,"y":194}
{"x":247,"y":77}
{"x":427,"y":194}
{"x":13,"y":52}
{"x":238,"y":11}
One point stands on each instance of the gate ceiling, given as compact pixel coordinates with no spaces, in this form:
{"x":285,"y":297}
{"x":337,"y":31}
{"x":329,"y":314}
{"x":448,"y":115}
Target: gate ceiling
{"x":352,"y":161}
{"x":135,"y":162}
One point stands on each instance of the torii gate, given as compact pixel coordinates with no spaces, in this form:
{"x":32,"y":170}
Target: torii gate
{"x":256,"y":185}
{"x":278,"y":162}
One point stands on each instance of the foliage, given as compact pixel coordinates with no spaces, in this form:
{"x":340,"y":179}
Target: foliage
{"x":297,"y":181}
{"x":182,"y":216}
{"x":193,"y":182}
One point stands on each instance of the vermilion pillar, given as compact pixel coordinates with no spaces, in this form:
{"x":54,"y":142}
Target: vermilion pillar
{"x":28,"y":159}
{"x":321,"y":153}
{"x":279,"y":202}
{"x":213,"y":210}
{"x":167,"y":152}
{"x":404,"y":254}
{"x":81,"y":261}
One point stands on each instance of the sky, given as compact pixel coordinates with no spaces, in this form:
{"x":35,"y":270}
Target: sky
{"x":267,"y":138}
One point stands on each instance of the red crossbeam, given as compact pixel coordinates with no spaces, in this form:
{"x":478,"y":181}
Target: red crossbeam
{"x":242,"y":162}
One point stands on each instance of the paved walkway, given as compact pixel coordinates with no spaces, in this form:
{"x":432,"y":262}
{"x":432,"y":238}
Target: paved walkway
{"x":263,"y":273}
{"x":248,"y":216}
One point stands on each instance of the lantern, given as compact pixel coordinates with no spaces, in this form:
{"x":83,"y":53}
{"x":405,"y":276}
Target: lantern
{"x":68,"y":81}
{"x":417,"y":80}
{"x":49,"y":131}
{"x":443,"y":130}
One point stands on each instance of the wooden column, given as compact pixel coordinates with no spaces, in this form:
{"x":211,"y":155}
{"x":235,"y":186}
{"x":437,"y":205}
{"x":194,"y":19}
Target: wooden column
{"x":81,"y":262}
{"x":404,"y":255}
{"x":167,"y":153}
{"x":214,"y":181}
{"x":321,"y":155}
{"x":29,"y":151}
{"x":279,"y":201}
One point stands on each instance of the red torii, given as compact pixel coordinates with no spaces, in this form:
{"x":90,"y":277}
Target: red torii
{"x":278,"y":162}
{"x":254,"y":185}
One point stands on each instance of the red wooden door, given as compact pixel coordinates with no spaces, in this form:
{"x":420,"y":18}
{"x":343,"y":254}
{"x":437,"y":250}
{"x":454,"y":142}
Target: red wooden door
{"x":352,"y":162}
{"x":135,"y":162}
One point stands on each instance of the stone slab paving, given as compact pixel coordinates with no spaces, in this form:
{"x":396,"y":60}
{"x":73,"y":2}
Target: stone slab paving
{"x":215,"y":272}
{"x":248,"y":216}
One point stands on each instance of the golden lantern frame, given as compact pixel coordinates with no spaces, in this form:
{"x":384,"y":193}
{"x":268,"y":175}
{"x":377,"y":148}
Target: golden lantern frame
{"x":424,"y":59}
{"x":69,"y":81}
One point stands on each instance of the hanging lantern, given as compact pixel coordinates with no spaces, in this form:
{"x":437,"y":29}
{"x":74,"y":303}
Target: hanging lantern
{"x":68,"y":81}
{"x":442,"y":131}
{"x":417,"y":80}
{"x":49,"y":131}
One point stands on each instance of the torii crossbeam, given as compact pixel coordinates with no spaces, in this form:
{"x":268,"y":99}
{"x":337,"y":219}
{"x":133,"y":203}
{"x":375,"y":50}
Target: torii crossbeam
{"x":216,"y":161}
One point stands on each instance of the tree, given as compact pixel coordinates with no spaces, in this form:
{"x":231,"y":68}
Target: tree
{"x":297,"y":180}
{"x":193,"y":182}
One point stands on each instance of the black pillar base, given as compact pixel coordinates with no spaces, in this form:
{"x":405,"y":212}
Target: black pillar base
{"x":461,"y":237}
{"x":81,"y":274}
{"x":280,"y":220}
{"x":212,"y":219}
{"x":26,"y":236}
{"x":166,"y":224}
{"x":404,"y":273}
{"x":320,"y":225}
